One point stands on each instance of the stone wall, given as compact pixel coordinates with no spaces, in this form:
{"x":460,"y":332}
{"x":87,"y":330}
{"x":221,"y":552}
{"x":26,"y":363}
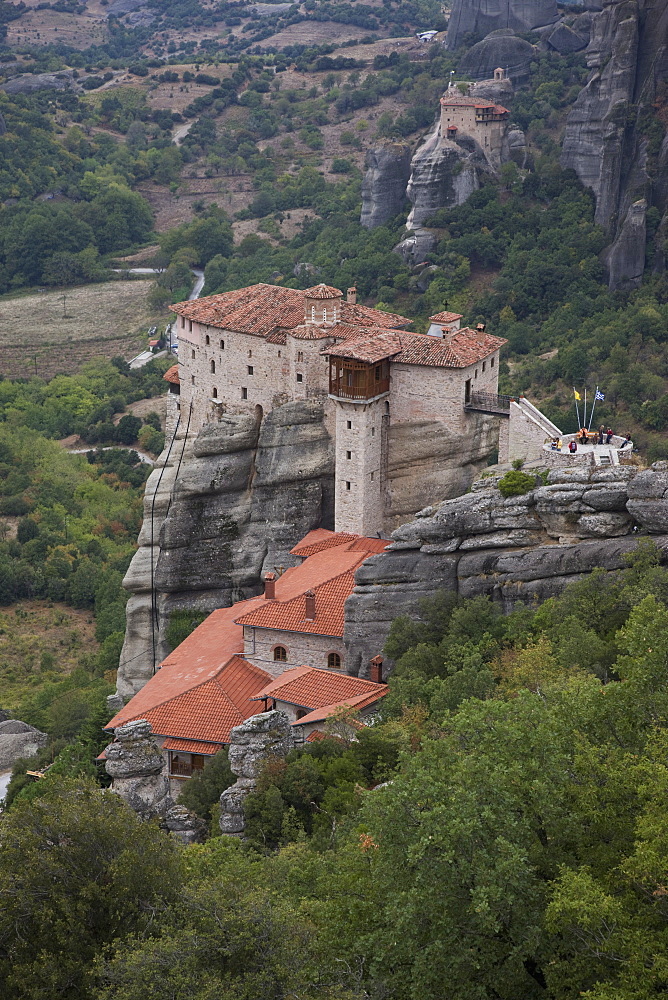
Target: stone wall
{"x":302,"y":649}
{"x":361,"y":466}
{"x":525,"y":548}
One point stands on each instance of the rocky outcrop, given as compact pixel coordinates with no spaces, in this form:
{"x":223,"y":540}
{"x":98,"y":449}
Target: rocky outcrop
{"x":625,"y":258}
{"x":500,"y":48}
{"x":443,"y":174}
{"x":388,"y":167}
{"x":603,"y":141}
{"x":219,"y":511}
{"x":137,"y":768}
{"x":417,"y":247}
{"x":524,"y":548}
{"x":251,"y":745}
{"x":564,"y":40}
{"x":29,"y":83}
{"x":18,"y":740}
{"x":479,"y":17}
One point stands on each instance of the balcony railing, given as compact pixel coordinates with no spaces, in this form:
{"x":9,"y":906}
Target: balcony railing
{"x":489,"y":402}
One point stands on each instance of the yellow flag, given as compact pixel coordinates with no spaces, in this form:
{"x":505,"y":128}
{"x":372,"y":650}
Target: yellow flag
{"x":577,"y":394}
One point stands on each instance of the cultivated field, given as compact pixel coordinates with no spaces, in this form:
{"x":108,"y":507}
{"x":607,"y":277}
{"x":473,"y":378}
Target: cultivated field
{"x":49,"y":27}
{"x":102,"y":320}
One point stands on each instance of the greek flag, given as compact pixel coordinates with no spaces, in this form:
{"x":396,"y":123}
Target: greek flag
{"x":599,"y":395}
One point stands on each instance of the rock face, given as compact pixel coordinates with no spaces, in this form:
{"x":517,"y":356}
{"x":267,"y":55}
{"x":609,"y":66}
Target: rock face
{"x":564,"y":40}
{"x":479,"y":17}
{"x":17,"y":740}
{"x":29,"y":83}
{"x":137,"y":767}
{"x":603,"y":143}
{"x":500,"y":48}
{"x":443,"y":174}
{"x":523,"y":548}
{"x":388,"y":167}
{"x":251,"y":744}
{"x":625,"y":258}
{"x":218,"y":512}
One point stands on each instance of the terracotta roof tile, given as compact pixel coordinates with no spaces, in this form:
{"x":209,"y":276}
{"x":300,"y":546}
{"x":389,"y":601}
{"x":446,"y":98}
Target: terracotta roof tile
{"x":357,"y":702}
{"x":172,"y":375}
{"x":192,"y":746}
{"x":461,"y":349}
{"x":321,"y":539}
{"x":313,"y":688}
{"x":323,"y":292}
{"x":290,"y":616}
{"x":262,"y":309}
{"x":445,"y":317}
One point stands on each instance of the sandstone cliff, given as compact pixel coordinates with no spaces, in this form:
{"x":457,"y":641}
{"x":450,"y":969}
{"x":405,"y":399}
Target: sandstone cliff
{"x":606,"y":139}
{"x":525,"y":548}
{"x":388,"y":167}
{"x":443,"y":174}
{"x":218,"y":512}
{"x":479,"y":17}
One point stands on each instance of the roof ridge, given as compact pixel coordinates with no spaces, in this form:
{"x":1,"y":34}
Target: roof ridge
{"x":173,"y":697}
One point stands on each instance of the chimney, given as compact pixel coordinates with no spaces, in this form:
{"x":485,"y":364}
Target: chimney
{"x":351,"y":297}
{"x":480,"y":333}
{"x":447,"y":334}
{"x":376,"y":671}
{"x":270,"y":587}
{"x":309,"y":597}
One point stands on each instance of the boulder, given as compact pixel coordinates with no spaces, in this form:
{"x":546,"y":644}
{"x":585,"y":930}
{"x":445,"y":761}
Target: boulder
{"x":137,"y":768}
{"x":479,"y":17}
{"x":564,"y":40}
{"x":387,"y":169}
{"x":184,"y":825}
{"x":500,"y":48}
{"x":29,"y":83}
{"x":416,"y":247}
{"x":442,"y":175}
{"x":256,"y":740}
{"x":18,"y":740}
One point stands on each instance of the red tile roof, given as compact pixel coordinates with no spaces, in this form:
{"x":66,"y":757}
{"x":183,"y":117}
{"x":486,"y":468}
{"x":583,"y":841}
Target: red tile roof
{"x":323,"y":292}
{"x":206,"y":712}
{"x":321,"y":539}
{"x":313,"y":688}
{"x":462,"y":349}
{"x":202,"y":688}
{"x":445,"y":317}
{"x":263,"y":309}
{"x":357,"y":702}
{"x":172,"y":375}
{"x":192,"y":746}
{"x":290,"y":616}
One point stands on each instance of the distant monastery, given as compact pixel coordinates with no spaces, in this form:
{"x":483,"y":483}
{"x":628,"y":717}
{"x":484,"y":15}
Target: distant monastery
{"x":391,"y":398}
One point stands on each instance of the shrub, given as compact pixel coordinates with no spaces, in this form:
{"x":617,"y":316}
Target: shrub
{"x":515,"y":483}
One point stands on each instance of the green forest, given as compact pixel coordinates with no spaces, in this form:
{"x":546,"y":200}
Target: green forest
{"x":501,"y":830}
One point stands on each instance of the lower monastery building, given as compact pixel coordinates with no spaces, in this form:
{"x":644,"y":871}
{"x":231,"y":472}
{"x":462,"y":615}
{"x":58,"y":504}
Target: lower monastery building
{"x":394,"y":402}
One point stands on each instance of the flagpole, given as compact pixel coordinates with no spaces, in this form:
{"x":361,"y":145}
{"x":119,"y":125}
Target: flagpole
{"x":577,"y":408}
{"x":591,"y":415}
{"x":584,"y":418}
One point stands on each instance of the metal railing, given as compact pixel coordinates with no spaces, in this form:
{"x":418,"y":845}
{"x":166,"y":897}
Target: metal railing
{"x":489,"y":402}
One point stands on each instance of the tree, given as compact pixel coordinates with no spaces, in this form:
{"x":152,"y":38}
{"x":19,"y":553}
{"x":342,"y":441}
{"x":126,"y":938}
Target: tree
{"x":78,"y":871}
{"x":127,"y":429}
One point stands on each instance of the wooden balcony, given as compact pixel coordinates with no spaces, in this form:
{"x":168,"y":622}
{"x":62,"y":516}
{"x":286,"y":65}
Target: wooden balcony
{"x":356,"y":380}
{"x":184,"y":765}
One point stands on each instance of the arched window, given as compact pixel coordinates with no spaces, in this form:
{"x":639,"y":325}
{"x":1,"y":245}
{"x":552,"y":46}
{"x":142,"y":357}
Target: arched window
{"x":214,"y":393}
{"x":207,"y":339}
{"x":301,"y":712}
{"x":280,"y":653}
{"x":213,"y":367}
{"x":334,"y":660}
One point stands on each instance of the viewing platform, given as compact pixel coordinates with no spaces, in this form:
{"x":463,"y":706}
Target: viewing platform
{"x":489,"y":402}
{"x":591,"y":454}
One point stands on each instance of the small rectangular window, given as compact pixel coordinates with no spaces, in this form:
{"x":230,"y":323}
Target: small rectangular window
{"x":349,"y":424}
{"x":183,"y":322}
{"x":349,"y":455}
{"x":192,"y":355}
{"x":222,"y":345}
{"x":250,"y":369}
{"x":484,"y":365}
{"x":244,"y":393}
{"x":300,"y":377}
{"x":192,"y":379}
{"x":372,"y":475}
{"x":373,"y":432}
{"x":190,"y":326}
{"x":300,"y":355}
{"x":476,"y":373}
{"x":347,"y":486}
{"x":491,"y":364}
